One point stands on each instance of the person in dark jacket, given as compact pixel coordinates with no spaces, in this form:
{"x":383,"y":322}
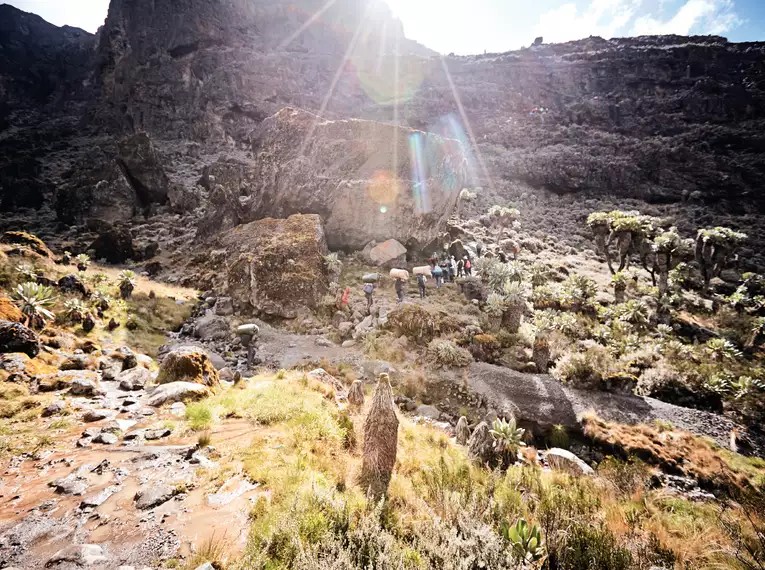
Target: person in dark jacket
{"x":369,"y":289}
{"x":400,"y":290}
{"x":460,"y":268}
{"x":421,"y":285}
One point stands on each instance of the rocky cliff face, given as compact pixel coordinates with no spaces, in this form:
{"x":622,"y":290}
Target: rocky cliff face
{"x":355,"y":174}
{"x":663,"y":119}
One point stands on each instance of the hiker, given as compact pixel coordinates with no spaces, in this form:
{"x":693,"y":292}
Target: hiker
{"x":400,"y":290}
{"x":502,"y":256}
{"x":369,"y":288}
{"x":460,"y":268}
{"x":421,"y":285}
{"x":437,"y":274}
{"x":452,"y":269}
{"x":515,"y":253}
{"x":468,"y":267}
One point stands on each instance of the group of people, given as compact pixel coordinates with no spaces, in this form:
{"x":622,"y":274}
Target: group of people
{"x":445,"y":271}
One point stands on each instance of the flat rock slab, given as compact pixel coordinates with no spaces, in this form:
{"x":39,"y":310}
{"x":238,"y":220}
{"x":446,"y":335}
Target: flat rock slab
{"x":177,"y":392}
{"x":79,"y":554}
{"x":97,"y":499}
{"x":563,"y":460}
{"x":231,"y":489}
{"x":541,"y":399}
{"x":106,"y":438}
{"x":153,"y":496}
{"x":152,"y":434}
{"x":72,"y":485}
{"x":97,"y":415}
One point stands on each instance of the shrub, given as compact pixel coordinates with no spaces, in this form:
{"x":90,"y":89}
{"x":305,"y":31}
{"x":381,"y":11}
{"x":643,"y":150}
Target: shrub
{"x":627,"y":477}
{"x":199,"y":415}
{"x":721,"y":350}
{"x":634,"y":312}
{"x":75,"y":310}
{"x":508,"y":438}
{"x":345,"y":423}
{"x":587,"y":547}
{"x":577,"y":293}
{"x":583,"y":369}
{"x":413,"y":321}
{"x":27,"y":271}
{"x":485,"y":348}
{"x":83,"y":261}
{"x":33,"y":300}
{"x":558,"y":437}
{"x":525,"y":541}
{"x":446,"y":353}
{"x":126,"y":283}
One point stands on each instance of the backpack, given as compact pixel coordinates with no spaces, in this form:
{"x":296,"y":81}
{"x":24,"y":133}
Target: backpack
{"x":368,"y":288}
{"x":467,"y":264}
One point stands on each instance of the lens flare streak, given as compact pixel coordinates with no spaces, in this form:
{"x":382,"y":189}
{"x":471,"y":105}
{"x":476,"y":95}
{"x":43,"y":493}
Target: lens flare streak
{"x":420,"y":189}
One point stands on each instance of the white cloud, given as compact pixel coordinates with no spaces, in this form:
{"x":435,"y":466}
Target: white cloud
{"x":601,"y":18}
{"x":693,"y":17}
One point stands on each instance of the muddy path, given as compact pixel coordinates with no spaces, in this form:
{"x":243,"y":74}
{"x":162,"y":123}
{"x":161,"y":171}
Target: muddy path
{"x":140,"y":501}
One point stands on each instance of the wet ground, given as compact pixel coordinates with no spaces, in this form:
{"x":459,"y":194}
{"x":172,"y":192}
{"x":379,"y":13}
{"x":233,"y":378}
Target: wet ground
{"x":142,"y":501}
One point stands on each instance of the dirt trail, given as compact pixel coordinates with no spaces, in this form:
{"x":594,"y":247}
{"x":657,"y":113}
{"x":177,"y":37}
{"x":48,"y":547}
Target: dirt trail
{"x":39,"y":517}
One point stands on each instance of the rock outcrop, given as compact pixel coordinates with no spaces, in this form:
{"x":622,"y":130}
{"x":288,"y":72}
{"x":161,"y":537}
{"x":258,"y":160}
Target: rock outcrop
{"x":660,"y":118}
{"x":15,"y":337}
{"x":275,"y":267}
{"x":356,"y":174}
{"x":389,"y":253}
{"x":188,"y":364}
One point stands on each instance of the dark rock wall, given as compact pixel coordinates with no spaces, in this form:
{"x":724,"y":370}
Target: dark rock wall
{"x":663,"y":119}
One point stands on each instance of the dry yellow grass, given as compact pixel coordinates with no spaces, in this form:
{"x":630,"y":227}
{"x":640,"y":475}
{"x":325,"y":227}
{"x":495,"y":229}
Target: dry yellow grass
{"x":673,"y":451}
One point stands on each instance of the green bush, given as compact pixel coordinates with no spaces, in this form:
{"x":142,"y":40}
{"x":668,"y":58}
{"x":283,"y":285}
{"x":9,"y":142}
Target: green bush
{"x":587,"y":547}
{"x":413,"y":321}
{"x":446,"y":353}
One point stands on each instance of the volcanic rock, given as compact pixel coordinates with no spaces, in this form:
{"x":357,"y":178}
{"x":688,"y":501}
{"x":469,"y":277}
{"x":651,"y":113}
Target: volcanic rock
{"x":274,"y":266}
{"x":361,"y":195}
{"x":15,"y":337}
{"x":188,"y":364}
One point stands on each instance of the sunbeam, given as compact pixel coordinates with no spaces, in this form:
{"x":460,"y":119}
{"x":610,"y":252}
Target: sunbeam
{"x":335,"y":79}
{"x":395,"y":106}
{"x":306,"y":25}
{"x":461,"y":109}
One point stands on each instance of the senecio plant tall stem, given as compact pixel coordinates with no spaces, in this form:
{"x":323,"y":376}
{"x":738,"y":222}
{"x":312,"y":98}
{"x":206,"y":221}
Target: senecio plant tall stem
{"x":380,"y":440}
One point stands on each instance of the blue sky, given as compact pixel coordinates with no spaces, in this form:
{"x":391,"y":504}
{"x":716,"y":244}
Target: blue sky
{"x":475,"y":26}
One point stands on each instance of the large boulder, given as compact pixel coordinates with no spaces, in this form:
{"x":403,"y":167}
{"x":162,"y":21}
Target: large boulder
{"x":79,"y":382}
{"x":564,"y":460}
{"x":97,"y":188}
{"x":273,"y":267}
{"x":140,"y":160}
{"x":15,"y":337}
{"x":212,"y":327}
{"x":114,"y":244}
{"x":188,"y":364}
{"x":113,"y":182}
{"x":27,"y":240}
{"x":356,"y":174}
{"x":389,"y":253}
{"x":177,"y":392}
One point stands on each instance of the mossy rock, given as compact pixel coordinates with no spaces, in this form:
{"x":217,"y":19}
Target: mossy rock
{"x":28,"y":240}
{"x":9,"y":311}
{"x":188,"y":364}
{"x":15,"y":337}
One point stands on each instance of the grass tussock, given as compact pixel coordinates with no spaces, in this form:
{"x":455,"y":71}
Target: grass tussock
{"x":677,"y":452}
{"x":440,"y":507}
